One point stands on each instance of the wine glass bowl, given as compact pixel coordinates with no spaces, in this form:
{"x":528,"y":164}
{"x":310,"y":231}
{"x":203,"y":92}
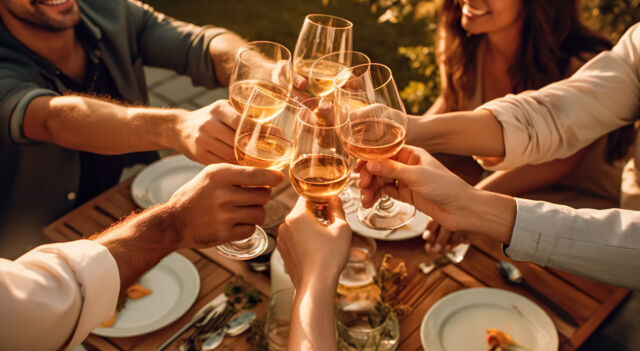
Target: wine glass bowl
{"x":375,"y":130}
{"x":324,"y":70}
{"x":320,"y":165}
{"x":261,"y":64}
{"x":320,"y":35}
{"x":264,"y":139}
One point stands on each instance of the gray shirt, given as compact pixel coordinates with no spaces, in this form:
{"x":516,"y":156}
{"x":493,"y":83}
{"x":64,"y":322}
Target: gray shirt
{"x":555,"y":122}
{"x":38,"y":181}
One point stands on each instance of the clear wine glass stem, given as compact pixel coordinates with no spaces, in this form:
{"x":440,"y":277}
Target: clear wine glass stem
{"x":320,"y":211}
{"x":386,"y":204}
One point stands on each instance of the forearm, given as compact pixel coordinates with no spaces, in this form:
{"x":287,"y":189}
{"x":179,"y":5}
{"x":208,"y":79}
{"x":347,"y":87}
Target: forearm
{"x":461,"y":133}
{"x":525,"y":179}
{"x":313,"y":316}
{"x":140,"y":242}
{"x":488,"y":213}
{"x":223,"y":50}
{"x":94,"y":125}
{"x":597,"y":244}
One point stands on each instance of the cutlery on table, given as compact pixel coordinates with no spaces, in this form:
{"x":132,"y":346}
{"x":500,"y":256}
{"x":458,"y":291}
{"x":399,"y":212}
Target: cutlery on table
{"x":234,"y":327}
{"x":449,"y":257}
{"x":514,"y":276}
{"x":203,"y":315}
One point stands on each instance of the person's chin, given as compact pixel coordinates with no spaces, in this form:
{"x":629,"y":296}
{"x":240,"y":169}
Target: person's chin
{"x":472,"y":27}
{"x":61,"y":16}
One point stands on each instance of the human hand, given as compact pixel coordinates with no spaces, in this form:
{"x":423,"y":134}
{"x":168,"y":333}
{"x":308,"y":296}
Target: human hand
{"x":314,"y":252}
{"x":440,"y":239}
{"x":421,"y":181}
{"x":222,"y":203}
{"x":207,"y":135}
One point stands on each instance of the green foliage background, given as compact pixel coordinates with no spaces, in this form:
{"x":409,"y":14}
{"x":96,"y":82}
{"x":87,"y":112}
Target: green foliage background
{"x":611,"y":17}
{"x":398,"y":33}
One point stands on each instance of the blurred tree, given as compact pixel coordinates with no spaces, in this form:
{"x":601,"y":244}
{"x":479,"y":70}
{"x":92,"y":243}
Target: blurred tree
{"x":611,"y":17}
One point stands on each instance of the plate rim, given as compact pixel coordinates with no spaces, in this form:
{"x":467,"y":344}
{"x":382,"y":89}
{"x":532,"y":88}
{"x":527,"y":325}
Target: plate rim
{"x":442,"y":301}
{"x":391,"y":237}
{"x":141,"y":181}
{"x":183,"y":303}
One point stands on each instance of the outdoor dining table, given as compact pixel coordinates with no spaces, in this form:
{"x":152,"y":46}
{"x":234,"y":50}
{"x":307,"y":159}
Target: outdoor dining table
{"x":587,"y":301}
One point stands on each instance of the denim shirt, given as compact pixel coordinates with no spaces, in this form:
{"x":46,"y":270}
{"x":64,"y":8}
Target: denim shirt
{"x":39,"y":182}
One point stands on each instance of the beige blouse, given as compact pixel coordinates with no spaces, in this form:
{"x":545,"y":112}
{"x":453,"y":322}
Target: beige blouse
{"x":593,"y":174}
{"x":555,"y":122}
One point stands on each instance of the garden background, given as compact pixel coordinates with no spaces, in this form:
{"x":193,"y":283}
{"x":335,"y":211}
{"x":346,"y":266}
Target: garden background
{"x":398,"y":33}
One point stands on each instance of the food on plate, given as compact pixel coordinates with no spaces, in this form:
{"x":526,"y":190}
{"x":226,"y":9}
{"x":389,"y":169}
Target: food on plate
{"x":135,"y":291}
{"x":501,"y":341}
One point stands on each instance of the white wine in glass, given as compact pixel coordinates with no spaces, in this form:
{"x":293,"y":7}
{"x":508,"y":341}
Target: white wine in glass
{"x":321,"y":35}
{"x":265,"y":65}
{"x":320,"y":166}
{"x":376,"y":130}
{"x":263,"y":139}
{"x":323,"y":72}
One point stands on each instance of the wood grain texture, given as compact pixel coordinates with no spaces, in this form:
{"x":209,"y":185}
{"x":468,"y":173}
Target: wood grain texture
{"x":588,"y":301}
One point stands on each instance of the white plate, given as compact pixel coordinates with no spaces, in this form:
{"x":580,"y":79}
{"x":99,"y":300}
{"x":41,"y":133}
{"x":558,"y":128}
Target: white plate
{"x":458,"y":321}
{"x":408,"y":231}
{"x":175,"y":284}
{"x":156,"y":183}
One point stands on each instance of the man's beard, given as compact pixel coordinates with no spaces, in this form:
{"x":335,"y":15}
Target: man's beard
{"x":42,"y":21}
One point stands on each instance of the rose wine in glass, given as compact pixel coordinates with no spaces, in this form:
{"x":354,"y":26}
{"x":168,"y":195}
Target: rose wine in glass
{"x":264,"y":139}
{"x":265,"y":65}
{"x":323,"y":72}
{"x":375,"y":130}
{"x":320,"y":165}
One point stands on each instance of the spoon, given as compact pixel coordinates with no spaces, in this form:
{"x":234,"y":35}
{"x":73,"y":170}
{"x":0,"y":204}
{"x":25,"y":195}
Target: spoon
{"x":514,"y":276}
{"x":234,"y":327}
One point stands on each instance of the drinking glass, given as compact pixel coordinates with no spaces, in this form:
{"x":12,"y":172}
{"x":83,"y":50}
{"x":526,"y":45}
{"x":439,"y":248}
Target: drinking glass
{"x":320,"y":35}
{"x":278,"y":320}
{"x":324,"y":70}
{"x":320,"y":165}
{"x":263,"y":139}
{"x":262,"y":64}
{"x":357,"y":276}
{"x":375,"y":130}
{"x":322,"y":83}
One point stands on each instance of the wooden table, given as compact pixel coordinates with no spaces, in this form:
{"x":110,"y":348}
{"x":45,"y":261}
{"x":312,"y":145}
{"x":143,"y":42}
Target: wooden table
{"x":589,"y":302}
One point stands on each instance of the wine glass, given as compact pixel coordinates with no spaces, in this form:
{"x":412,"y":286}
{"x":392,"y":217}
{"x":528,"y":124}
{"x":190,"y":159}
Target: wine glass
{"x":320,"y":35}
{"x":320,"y":165}
{"x":263,"y":139}
{"x":261,"y":64}
{"x":325,"y":69}
{"x":322,"y":83}
{"x":376,"y":130}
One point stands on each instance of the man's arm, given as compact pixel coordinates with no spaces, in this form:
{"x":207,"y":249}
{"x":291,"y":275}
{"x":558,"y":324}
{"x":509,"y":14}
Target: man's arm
{"x":598,"y":244}
{"x":54,"y":295}
{"x":223,"y":50}
{"x":553,"y":122}
{"x":105,"y":127}
{"x":204,"y":53}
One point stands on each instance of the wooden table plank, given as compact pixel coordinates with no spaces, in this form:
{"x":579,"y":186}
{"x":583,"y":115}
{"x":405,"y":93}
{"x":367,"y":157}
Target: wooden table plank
{"x":598,"y":291}
{"x":590,"y":302}
{"x":410,"y":326}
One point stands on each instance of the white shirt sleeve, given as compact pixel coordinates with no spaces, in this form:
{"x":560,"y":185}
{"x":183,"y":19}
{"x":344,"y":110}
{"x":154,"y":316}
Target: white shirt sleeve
{"x":563,"y":117}
{"x":602,"y":245}
{"x":54,"y":295}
